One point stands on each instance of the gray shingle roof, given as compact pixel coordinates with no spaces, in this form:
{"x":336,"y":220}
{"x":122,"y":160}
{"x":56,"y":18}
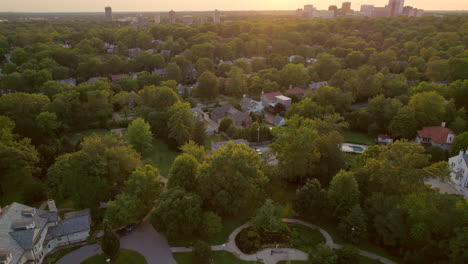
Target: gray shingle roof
{"x":24,"y":238}
{"x":70,"y":226}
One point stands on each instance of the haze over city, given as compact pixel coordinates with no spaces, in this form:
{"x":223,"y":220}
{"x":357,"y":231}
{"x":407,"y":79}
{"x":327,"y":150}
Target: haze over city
{"x":189,"y":5}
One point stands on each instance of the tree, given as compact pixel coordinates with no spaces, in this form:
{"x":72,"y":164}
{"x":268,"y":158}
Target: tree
{"x":403,"y":125}
{"x":348,"y":255}
{"x":124,"y":210}
{"x":110,"y":243}
{"x":310,"y":200}
{"x":177,"y":213}
{"x":326,"y":66}
{"x":457,"y":246}
{"x":204,"y":65}
{"x":230,"y":179}
{"x":157,"y":98}
{"x":331,"y":96}
{"x":268,"y":218}
{"x":197,"y":151}
{"x":353,"y":226}
{"x":201,"y":251}
{"x":437,"y":70}
{"x":139,"y":135}
{"x":211,"y":224}
{"x":236,"y":84}
{"x":48,"y":122}
{"x":295,"y":148}
{"x":295,"y":75}
{"x":180,"y":123}
{"x":79,"y":169}
{"x":323,"y":254}
{"x":460,"y":143}
{"x":207,"y":85}
{"x":145,"y":185}
{"x":183,"y":172}
{"x":429,"y":108}
{"x":199,"y":134}
{"x":226,"y":123}
{"x":307,"y":108}
{"x":343,"y":193}
{"x":173,"y":72}
{"x":355,"y":59}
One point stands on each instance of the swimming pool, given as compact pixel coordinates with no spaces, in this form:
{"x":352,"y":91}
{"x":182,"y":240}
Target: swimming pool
{"x":357,"y":149}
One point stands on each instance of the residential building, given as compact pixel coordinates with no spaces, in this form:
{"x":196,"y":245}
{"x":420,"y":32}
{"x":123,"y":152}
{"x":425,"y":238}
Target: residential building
{"x":108,"y":11}
{"x":315,"y":85}
{"x":217,"y":145}
{"x":309,"y":11}
{"x":28,"y":234}
{"x":275,"y":120}
{"x":116,"y":77}
{"x":396,"y":7}
{"x":134,"y":52}
{"x":269,"y":99}
{"x":367,"y":10}
{"x":251,"y":106}
{"x":216,"y":16}
{"x":284,"y":100}
{"x":438,"y":136}
{"x":295,"y":91}
{"x":69,"y":81}
{"x":157,"y":19}
{"x":241,"y":119}
{"x":458,"y":166}
{"x":172,"y":17}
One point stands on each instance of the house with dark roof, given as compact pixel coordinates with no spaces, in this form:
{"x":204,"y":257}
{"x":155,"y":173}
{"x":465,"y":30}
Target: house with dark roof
{"x":241,"y":119}
{"x":28,"y":234}
{"x":439,"y":136}
{"x":275,"y":120}
{"x":70,"y":81}
{"x":315,"y":85}
{"x":251,"y":106}
{"x":458,"y":166}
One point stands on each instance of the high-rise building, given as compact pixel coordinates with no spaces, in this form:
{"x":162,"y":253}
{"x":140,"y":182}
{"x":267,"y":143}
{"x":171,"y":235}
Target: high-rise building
{"x":346,"y":7}
{"x":217,"y":16}
{"x":188,"y":20}
{"x":396,"y":7}
{"x":108,"y":10}
{"x":309,"y":11}
{"x":172,"y":17}
{"x":367,"y":10}
{"x":157,"y":19}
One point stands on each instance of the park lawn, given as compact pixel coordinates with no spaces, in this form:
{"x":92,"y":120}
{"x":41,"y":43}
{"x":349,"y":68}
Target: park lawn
{"x":52,"y":258}
{"x":362,"y":260}
{"x":350,"y":159}
{"x":76,"y":137}
{"x":217,"y":257}
{"x":304,"y":238}
{"x":357,"y":138}
{"x":125,"y":257}
{"x":161,"y":156}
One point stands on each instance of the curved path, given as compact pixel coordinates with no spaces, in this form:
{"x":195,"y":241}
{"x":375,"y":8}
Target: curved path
{"x":274,"y":255}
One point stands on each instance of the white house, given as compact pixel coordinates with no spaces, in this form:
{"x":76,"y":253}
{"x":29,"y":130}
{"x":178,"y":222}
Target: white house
{"x":384,"y":139}
{"x":438,"y":136}
{"x":28,"y":234}
{"x":458,"y":166}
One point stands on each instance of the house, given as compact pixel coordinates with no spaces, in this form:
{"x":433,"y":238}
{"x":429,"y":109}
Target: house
{"x":217,"y":145}
{"x":315,"y":85}
{"x":241,"y":119}
{"x":296,"y":91}
{"x":166,"y":52}
{"x":269,"y":99}
{"x":458,"y":166}
{"x":252,"y":106}
{"x":134,"y":52}
{"x":93,"y":80}
{"x":28,"y":234}
{"x":384,"y":139}
{"x":438,"y":136}
{"x":70,"y":81}
{"x":284,"y":100}
{"x":116,"y":77}
{"x":132,"y":99}
{"x":275,"y":120}
{"x":311,"y":61}
{"x":160,"y":72}
{"x":182,"y":89}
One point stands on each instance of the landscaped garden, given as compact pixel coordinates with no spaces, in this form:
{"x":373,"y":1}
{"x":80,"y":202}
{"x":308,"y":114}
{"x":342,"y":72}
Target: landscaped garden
{"x":125,"y":257}
{"x":217,"y":257}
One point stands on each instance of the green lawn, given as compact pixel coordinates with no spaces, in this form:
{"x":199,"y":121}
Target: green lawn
{"x":76,"y":138}
{"x":350,"y":159}
{"x":304,"y":238}
{"x":362,"y":260}
{"x":125,"y":257}
{"x":358,"y":138}
{"x":161,"y":156}
{"x":217,"y":257}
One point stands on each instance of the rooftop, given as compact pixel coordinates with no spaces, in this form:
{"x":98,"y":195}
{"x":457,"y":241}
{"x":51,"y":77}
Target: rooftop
{"x":272,"y":95}
{"x":295,"y":91}
{"x":437,"y":134}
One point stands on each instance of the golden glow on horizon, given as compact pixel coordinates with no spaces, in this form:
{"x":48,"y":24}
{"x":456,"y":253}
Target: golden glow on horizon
{"x":191,"y":5}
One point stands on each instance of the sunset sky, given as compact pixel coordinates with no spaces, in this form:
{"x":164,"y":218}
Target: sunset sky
{"x":196,"y":5}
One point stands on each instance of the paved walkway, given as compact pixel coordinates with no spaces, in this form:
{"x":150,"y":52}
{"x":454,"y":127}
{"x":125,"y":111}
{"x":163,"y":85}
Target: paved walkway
{"x":275,"y":255}
{"x":144,"y":240}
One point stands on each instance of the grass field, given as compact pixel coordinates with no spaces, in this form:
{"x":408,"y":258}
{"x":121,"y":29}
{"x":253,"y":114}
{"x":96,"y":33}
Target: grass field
{"x":125,"y":257}
{"x":358,"y":138}
{"x":362,"y":260}
{"x":76,"y":138}
{"x":217,"y":257}
{"x":161,"y":156}
{"x":350,"y":159}
{"x":304,"y":238}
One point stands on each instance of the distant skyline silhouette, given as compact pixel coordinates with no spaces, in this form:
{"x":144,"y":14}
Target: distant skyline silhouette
{"x":204,"y":5}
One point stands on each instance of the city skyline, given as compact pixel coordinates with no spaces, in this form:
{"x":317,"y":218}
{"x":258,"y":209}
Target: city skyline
{"x":205,"y":5}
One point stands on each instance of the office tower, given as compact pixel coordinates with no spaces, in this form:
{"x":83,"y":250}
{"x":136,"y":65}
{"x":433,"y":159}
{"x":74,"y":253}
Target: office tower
{"x":309,"y":11}
{"x":108,"y":10}
{"x":217,"y":16}
{"x":367,"y":10}
{"x":396,"y":7}
{"x":172,"y":17}
{"x":346,"y":7}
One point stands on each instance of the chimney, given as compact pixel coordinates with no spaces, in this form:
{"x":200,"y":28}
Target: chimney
{"x":444,"y":124}
{"x":51,"y":205}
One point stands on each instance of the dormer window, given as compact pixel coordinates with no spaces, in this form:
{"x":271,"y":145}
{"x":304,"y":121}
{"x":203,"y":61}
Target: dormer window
{"x":23,"y":224}
{"x":28,"y":212}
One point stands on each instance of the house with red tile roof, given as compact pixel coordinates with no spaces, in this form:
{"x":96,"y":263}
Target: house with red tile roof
{"x":295,"y":91}
{"x":439,"y":136}
{"x":116,"y":77}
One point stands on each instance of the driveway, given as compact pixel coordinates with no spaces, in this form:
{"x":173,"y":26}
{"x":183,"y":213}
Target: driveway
{"x":144,"y":239}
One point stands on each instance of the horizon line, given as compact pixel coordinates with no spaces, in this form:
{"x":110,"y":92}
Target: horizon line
{"x":240,"y":10}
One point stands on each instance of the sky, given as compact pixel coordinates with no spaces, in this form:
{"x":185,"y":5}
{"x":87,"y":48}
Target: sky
{"x":203,"y":5}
